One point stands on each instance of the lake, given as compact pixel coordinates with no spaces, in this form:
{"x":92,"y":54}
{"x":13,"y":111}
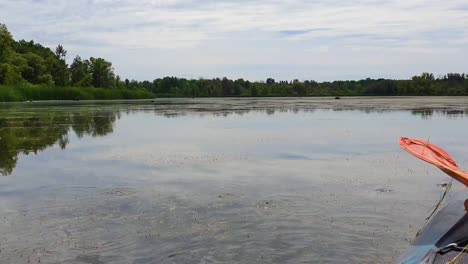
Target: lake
{"x":272,"y":180}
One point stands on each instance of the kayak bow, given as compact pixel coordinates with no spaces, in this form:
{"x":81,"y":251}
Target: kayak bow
{"x":445,"y":238}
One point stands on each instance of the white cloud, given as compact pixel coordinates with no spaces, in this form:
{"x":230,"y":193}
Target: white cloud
{"x":150,"y":38}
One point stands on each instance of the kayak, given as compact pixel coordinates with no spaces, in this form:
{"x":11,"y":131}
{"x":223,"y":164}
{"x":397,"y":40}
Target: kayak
{"x":445,"y":238}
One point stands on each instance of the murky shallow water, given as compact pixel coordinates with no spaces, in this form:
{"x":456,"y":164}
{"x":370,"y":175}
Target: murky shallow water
{"x":220,"y":181}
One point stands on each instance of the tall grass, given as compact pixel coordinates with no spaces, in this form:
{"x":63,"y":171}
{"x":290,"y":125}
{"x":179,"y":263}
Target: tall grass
{"x":36,"y":93}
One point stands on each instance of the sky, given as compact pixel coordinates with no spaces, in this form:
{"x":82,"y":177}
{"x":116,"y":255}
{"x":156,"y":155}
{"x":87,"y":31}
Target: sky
{"x":320,"y":40}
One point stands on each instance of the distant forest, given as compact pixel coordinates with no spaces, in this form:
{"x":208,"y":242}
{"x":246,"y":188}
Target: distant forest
{"x":30,"y":71}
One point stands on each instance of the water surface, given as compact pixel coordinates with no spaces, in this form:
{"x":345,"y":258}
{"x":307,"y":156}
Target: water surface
{"x":220,"y":180}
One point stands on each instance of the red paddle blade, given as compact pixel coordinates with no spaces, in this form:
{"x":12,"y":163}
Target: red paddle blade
{"x":434,"y":155}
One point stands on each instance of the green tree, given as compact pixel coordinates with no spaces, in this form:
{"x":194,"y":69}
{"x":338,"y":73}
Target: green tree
{"x":228,"y":87}
{"x":9,"y":71}
{"x":60,"y":72}
{"x":55,"y":65}
{"x":102,"y":73}
{"x":36,"y":70}
{"x":299,"y":88}
{"x":60,"y":52}
{"x":6,"y":44}
{"x":80,"y":75}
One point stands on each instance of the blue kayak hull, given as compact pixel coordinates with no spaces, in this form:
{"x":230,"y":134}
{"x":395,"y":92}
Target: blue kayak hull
{"x":447,"y":228}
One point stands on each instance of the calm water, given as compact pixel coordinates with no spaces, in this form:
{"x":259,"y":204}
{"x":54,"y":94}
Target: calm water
{"x":220,"y":181}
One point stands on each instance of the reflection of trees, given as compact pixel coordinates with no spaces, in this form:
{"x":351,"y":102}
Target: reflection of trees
{"x":423,"y":113}
{"x":449,"y":113}
{"x":34,"y":132}
{"x":95,"y":124}
{"x":26,"y":131}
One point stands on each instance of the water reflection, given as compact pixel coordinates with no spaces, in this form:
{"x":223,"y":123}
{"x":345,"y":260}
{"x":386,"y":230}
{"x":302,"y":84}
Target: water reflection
{"x":449,"y":113}
{"x":33,"y":132}
{"x":26,"y":129}
{"x":219,"y":181}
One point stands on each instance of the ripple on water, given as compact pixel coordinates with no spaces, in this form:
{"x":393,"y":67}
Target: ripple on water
{"x":119,"y":191}
{"x":127,"y":225}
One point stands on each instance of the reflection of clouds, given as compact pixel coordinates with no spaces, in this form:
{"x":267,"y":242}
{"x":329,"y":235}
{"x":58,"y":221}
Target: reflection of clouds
{"x":156,"y":155}
{"x":210,"y":130}
{"x":306,"y":174}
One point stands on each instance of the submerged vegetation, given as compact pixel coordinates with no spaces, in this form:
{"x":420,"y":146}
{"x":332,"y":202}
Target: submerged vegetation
{"x":30,"y":71}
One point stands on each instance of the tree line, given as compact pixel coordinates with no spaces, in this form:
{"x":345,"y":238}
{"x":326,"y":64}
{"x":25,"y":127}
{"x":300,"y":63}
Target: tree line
{"x":26,"y":62}
{"x":425,"y":84}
